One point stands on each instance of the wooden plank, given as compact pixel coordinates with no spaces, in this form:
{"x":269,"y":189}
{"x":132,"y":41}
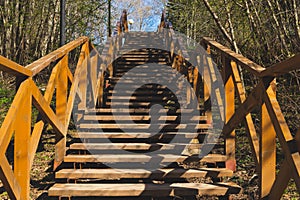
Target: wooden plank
{"x":83,"y":78}
{"x":244,"y":109}
{"x":128,"y":135}
{"x":45,"y":61}
{"x":42,"y":105}
{"x":135,"y":146}
{"x":9,"y":180}
{"x":281,"y":182}
{"x":74,"y":87}
{"x":126,"y":104}
{"x":8,"y":125}
{"x":267,"y":153}
{"x":288,"y":143}
{"x":22,"y":124}
{"x":141,"y":118}
{"x":61,"y":108}
{"x":142,"y":110}
{"x":110,"y":174}
{"x":238,"y":58}
{"x":141,"y":189}
{"x":229,"y":111}
{"x":13,"y":68}
{"x":283,"y":67}
{"x":163,"y":158}
{"x":144,"y":126}
{"x":250,"y":128}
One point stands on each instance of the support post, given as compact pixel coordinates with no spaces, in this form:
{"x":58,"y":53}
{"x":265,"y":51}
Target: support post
{"x":267,"y":158}
{"x":22,"y":144}
{"x":61,"y":107}
{"x":229,"y":111}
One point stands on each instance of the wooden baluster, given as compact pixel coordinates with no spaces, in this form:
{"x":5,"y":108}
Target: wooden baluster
{"x":267,"y":156}
{"x":83,"y":78}
{"x":207,"y":87}
{"x":61,"y":107}
{"x":229,"y":111}
{"x":22,"y":126}
{"x":93,"y":75}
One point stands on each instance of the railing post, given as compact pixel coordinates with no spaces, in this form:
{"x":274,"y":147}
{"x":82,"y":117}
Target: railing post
{"x":22,"y":144}
{"x":267,"y":158}
{"x":229,"y":111}
{"x":207,"y":86}
{"x":61,"y":107}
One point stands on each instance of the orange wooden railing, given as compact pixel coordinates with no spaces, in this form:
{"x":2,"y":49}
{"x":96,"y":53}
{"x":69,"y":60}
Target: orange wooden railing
{"x":272,"y":122}
{"x":17,"y":122}
{"x":86,"y":84}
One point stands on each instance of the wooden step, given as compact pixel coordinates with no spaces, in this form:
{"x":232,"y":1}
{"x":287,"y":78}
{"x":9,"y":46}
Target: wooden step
{"x":135,"y":146}
{"x":133,"y":135}
{"x":142,"y":189}
{"x":141,"y":158}
{"x":141,"y":111}
{"x":142,"y":59}
{"x":139,"y":127}
{"x":126,"y":104}
{"x":141,"y":98}
{"x":115,"y":174}
{"x":140,"y":118}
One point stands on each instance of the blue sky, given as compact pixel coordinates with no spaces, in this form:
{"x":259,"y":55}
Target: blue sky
{"x":145,"y":13}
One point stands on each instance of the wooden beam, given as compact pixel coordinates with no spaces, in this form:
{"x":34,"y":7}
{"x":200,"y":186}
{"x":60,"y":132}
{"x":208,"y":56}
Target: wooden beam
{"x":250,"y":128}
{"x":283,"y":67}
{"x":47,"y":113}
{"x":238,"y":58}
{"x":13,"y":68}
{"x":229,"y":111}
{"x":244,"y":109}
{"x":45,"y":61}
{"x":267,"y":153}
{"x":39,"y":125}
{"x":281,"y":182}
{"x":61,"y":107}
{"x":22,"y":124}
{"x":8,"y":179}
{"x":288,"y":143}
{"x":7,"y":127}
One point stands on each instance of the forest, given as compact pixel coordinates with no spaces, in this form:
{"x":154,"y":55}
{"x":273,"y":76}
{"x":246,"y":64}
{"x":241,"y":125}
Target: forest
{"x":265,"y":31}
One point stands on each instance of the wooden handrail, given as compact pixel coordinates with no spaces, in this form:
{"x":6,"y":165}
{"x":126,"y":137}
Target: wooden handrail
{"x":271,"y":118}
{"x":263,"y":96}
{"x":13,"y":68}
{"x":18,"y":121}
{"x":238,"y":58}
{"x":283,"y":67}
{"x":45,"y":61}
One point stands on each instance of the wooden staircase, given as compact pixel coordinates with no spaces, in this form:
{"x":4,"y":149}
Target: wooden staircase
{"x":87,"y":169}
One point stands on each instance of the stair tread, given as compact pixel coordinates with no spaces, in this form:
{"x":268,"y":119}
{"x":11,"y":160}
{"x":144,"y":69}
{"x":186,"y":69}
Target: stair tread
{"x":142,"y":189}
{"x":143,"y":173}
{"x":140,"y":117}
{"x":135,"y":146}
{"x":145,"y":126}
{"x":141,"y":110}
{"x":132,"y":158}
{"x":99,"y":135}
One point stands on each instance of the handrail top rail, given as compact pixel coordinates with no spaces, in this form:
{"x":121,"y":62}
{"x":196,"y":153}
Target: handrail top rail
{"x":13,"y":68}
{"x":291,"y":64}
{"x":43,"y":62}
{"x":273,"y":71}
{"x":240,"y":59}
